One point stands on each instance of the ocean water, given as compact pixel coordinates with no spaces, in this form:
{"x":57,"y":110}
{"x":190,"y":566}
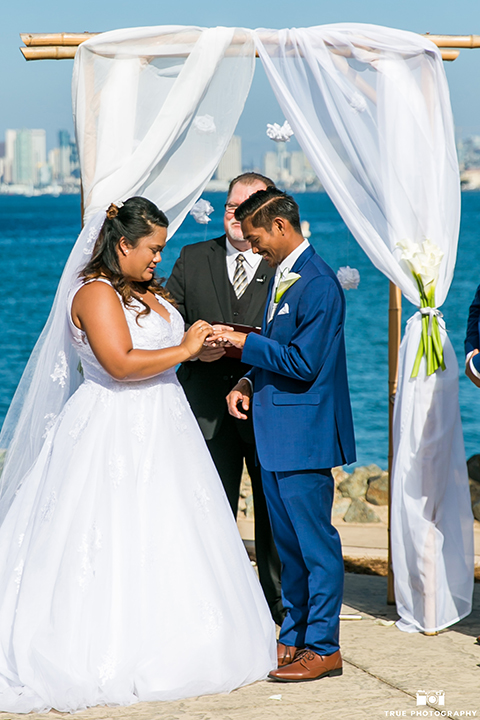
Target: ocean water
{"x":36,"y":235}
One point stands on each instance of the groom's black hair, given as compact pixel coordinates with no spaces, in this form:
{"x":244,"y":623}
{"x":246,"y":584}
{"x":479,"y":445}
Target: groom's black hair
{"x":265,"y":205}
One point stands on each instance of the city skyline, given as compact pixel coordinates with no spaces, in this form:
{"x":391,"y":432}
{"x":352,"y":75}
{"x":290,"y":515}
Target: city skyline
{"x":25,"y":164}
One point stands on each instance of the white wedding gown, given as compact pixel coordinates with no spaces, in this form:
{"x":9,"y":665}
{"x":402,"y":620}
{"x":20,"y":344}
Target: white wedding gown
{"x":122,"y":574}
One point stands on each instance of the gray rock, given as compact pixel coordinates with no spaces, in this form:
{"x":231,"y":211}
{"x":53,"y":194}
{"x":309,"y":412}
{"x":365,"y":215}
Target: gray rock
{"x":474,"y":491}
{"x":249,"y":507}
{"x":355,"y":485}
{"x":476,"y":510}
{"x":360,"y":512}
{"x":340,"y":507}
{"x":473,"y":465}
{"x":377,"y":491}
{"x":339,"y":474}
{"x":373,"y":470}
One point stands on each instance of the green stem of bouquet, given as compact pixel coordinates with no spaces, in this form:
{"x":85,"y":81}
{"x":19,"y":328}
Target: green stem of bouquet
{"x":429,"y":345}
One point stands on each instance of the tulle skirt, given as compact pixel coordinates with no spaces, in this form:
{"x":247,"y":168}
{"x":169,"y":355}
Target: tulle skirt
{"x":122,"y":575}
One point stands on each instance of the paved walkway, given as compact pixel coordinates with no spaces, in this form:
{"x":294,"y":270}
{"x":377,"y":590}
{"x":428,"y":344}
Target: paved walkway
{"x":384,"y":669}
{"x":372,"y":540}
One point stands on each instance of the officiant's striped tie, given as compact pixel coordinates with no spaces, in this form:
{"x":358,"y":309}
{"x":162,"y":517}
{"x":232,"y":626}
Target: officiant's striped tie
{"x":240,"y":280}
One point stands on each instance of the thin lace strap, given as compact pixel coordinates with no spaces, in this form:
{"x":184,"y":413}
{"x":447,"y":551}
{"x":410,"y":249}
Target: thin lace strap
{"x":97,"y":279}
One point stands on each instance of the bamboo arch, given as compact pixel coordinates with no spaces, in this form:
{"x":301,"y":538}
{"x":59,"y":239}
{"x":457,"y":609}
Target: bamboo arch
{"x":63,"y":46}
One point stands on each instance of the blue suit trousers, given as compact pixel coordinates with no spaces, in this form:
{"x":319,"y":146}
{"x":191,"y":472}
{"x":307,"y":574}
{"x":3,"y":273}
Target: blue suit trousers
{"x":300,"y":506}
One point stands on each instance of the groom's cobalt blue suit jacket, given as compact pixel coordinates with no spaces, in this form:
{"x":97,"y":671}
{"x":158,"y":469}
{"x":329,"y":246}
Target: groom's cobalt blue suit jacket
{"x":301,"y":403}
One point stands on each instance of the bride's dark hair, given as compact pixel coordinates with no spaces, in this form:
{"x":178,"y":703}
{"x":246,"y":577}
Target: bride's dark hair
{"x":136,"y":218}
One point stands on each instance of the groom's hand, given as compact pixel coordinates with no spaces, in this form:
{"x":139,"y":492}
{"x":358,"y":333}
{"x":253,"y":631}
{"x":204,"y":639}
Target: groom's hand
{"x":240,"y":395}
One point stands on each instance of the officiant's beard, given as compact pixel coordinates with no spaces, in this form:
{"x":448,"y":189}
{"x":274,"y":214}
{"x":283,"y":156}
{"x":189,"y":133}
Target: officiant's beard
{"x":234,"y":232}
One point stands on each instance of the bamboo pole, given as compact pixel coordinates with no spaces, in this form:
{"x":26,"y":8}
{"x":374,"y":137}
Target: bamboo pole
{"x":51,"y":52}
{"x":62,"y":46}
{"x":45,"y":39}
{"x":449,"y":55}
{"x":455,"y":41}
{"x":75,"y":39}
{"x":394,"y":336}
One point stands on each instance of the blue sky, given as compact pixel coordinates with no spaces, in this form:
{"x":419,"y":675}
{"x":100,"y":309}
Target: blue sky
{"x":37,"y":94}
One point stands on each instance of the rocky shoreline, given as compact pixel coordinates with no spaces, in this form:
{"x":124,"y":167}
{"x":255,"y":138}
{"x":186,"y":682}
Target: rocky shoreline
{"x":362,"y":496}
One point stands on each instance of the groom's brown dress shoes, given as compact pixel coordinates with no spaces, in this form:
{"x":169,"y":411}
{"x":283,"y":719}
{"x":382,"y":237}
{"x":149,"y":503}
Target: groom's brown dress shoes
{"x":285,"y":654}
{"x":308,"y":665}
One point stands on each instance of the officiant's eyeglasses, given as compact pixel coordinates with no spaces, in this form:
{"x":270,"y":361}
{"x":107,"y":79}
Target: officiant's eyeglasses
{"x":230,"y":207}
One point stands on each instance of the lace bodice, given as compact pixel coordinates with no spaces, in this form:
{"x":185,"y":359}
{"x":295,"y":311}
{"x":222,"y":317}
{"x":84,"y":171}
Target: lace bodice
{"x":152,"y":332}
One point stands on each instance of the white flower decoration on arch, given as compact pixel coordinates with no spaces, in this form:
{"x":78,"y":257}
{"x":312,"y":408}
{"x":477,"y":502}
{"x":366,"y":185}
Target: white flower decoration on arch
{"x":279,"y":133}
{"x":205,"y":124}
{"x":201,"y":211}
{"x":349,"y":278}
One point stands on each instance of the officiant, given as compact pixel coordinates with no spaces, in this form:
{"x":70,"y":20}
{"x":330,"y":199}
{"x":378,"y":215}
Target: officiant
{"x":223,"y":281}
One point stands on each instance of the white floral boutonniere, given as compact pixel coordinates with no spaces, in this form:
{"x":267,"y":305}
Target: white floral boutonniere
{"x":286,"y":281}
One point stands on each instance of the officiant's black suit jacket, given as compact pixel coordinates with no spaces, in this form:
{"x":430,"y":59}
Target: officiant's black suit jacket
{"x":199,"y":283}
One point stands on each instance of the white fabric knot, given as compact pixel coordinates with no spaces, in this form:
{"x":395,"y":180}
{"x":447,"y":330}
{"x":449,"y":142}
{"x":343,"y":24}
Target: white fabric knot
{"x":205,"y":124}
{"x":349,"y":278}
{"x":201,"y":210}
{"x":279,"y":133}
{"x":431,"y":312}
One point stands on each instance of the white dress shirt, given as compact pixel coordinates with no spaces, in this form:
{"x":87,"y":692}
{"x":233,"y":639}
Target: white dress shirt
{"x":283,"y":269}
{"x":252,"y":261}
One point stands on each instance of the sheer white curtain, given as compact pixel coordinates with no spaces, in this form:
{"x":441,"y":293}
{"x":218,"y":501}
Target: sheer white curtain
{"x":370,"y":108}
{"x":155,"y":109}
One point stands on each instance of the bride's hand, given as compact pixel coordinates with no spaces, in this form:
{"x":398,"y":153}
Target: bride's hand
{"x":195,"y":337}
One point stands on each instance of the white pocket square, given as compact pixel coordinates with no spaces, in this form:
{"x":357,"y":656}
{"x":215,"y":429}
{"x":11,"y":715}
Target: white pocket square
{"x":284,"y":310}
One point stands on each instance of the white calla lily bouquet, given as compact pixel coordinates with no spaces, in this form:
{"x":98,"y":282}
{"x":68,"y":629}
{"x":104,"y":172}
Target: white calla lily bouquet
{"x":424,"y":262}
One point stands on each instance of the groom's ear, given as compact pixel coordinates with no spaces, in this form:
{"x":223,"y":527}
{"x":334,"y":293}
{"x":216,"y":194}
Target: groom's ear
{"x":279,"y":225}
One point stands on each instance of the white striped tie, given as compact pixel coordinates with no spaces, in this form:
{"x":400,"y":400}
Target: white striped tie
{"x":240,"y":280}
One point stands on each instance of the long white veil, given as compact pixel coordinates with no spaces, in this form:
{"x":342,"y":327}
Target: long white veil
{"x":50,"y":377}
{"x":156,"y":123}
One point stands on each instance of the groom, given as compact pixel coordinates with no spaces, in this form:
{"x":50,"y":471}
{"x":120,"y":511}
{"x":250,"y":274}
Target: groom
{"x":303,"y":427}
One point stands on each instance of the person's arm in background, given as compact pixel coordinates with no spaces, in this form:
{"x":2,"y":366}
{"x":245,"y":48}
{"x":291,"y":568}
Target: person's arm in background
{"x":472,"y":341}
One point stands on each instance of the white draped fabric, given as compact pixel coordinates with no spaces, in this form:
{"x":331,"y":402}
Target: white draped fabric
{"x":155,"y":109}
{"x":370,"y":108}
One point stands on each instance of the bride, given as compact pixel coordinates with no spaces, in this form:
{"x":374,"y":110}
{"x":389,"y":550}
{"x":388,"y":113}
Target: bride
{"x":122,"y":574}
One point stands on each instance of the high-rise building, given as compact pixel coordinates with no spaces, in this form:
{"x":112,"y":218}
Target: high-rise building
{"x":25,"y":156}
{"x":10,"y":136}
{"x":270,"y":165}
{"x":64,"y":145}
{"x":231,"y":163}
